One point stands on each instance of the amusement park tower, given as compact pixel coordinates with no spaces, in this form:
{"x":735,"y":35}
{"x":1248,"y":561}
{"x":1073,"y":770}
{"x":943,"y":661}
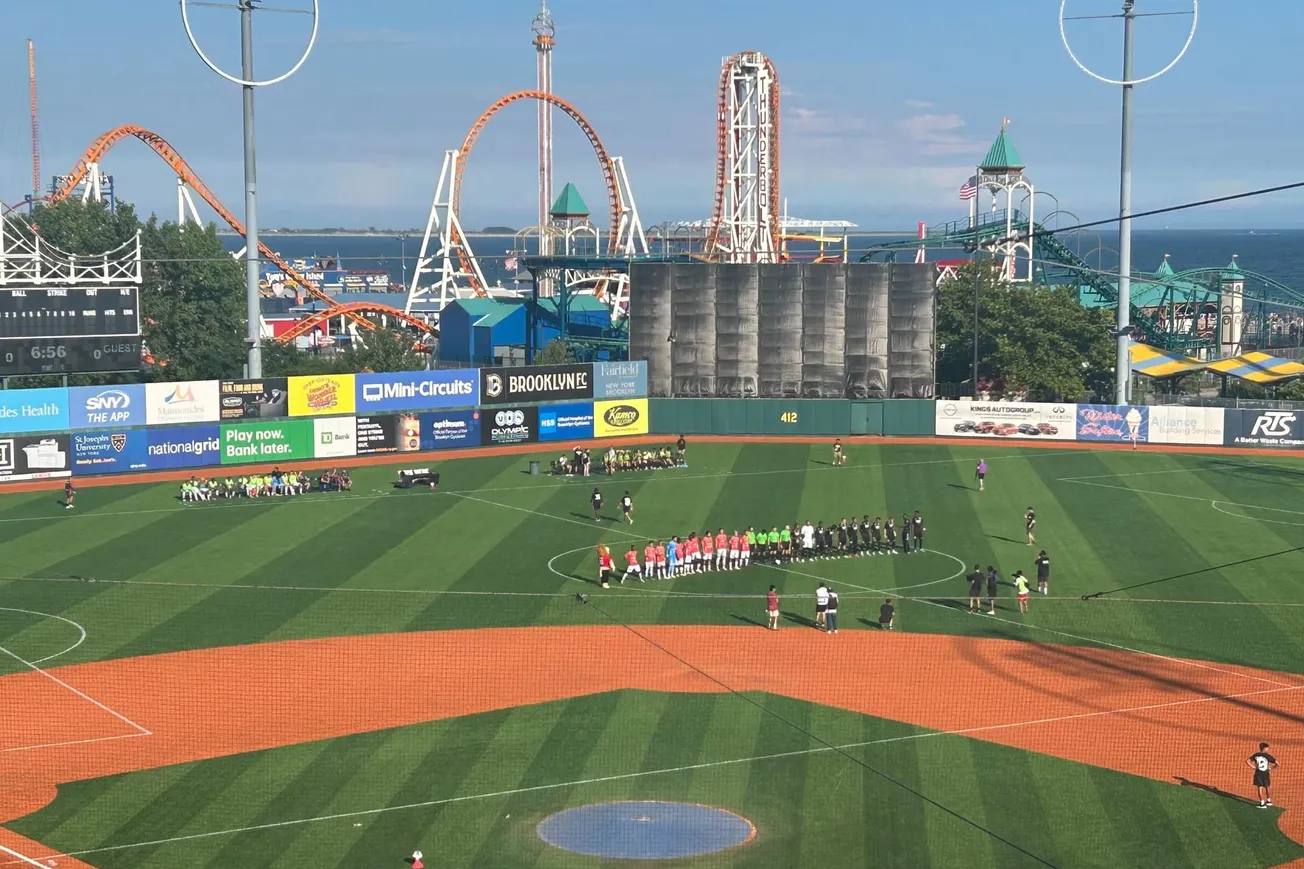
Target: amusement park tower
{"x":544,"y":30}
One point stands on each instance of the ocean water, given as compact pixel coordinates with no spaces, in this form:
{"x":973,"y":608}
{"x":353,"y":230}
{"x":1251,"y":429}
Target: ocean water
{"x":1275,"y":254}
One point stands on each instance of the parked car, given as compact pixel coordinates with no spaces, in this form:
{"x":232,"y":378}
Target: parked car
{"x":967,"y":425}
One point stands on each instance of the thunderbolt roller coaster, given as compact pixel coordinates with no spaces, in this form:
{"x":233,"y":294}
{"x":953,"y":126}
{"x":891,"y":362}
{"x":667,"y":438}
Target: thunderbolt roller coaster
{"x":1181,"y":311}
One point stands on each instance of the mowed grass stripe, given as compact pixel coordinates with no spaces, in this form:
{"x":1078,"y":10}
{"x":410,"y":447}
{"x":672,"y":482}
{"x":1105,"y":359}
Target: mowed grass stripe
{"x":1154,"y":843}
{"x":1080,"y":829}
{"x":893,"y":822}
{"x":833,"y":794}
{"x":948,"y":775}
{"x":1215,"y":840}
{"x":1007,"y":783}
{"x":777,"y":790}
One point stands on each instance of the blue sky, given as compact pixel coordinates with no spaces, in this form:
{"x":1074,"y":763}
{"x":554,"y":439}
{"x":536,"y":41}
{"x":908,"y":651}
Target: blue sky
{"x":885,"y":107}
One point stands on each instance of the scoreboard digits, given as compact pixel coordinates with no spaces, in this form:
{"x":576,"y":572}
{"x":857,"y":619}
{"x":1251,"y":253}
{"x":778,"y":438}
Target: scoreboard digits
{"x":65,"y":330}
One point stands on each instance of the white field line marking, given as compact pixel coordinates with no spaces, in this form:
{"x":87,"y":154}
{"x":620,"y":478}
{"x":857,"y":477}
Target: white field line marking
{"x":141,"y":731}
{"x":335,"y":498}
{"x":80,"y":630}
{"x":74,"y":742}
{"x":1214,"y":505}
{"x":21,"y":859}
{"x":1213,"y":502}
{"x":1036,"y":627}
{"x":967,"y":731}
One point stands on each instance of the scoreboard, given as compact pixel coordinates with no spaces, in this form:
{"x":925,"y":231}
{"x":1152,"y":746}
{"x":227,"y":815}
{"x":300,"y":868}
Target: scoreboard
{"x":65,"y":330}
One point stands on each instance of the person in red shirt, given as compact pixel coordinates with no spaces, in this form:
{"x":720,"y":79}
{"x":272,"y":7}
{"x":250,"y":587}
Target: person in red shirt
{"x":772,"y":609}
{"x":721,"y":550}
{"x":689,"y":553}
{"x":661,"y":560}
{"x":649,"y":560}
{"x":708,"y":550}
{"x":734,"y":552}
{"x":604,"y":567}
{"x":744,"y":552}
{"x":632,"y":566}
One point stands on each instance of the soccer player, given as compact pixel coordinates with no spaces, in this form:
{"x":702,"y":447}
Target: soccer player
{"x":976,"y":590}
{"x":917,"y":527}
{"x":662,"y":571}
{"x":905,"y":533}
{"x":876,"y":529}
{"x":1021,"y":588}
{"x":723,"y":553}
{"x":993,"y":588}
{"x":752,"y":541}
{"x":838,"y":457}
{"x":596,"y":500}
{"x":886,"y":615}
{"x":889,"y":531}
{"x":69,"y":493}
{"x":852,"y":543}
{"x":842,"y":537}
{"x":1043,"y":573}
{"x":650,"y":560}
{"x":980,"y":473}
{"x":1030,"y":522}
{"x":688,"y":554}
{"x":708,"y":551}
{"x":785,"y":541}
{"x":772,"y":542}
{"x":604,"y":566}
{"x":672,"y":557}
{"x":632,"y":567}
{"x":808,"y":541}
{"x":627,"y":507}
{"x":1263,"y":764}
{"x":745,"y":549}
{"x":771,"y":607}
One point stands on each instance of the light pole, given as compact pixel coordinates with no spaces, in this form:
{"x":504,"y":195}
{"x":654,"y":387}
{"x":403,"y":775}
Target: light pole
{"x":247,"y":82}
{"x":1123,"y":331}
{"x":402,"y":247}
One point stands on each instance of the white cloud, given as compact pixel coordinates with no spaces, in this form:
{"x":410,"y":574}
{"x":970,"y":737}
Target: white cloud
{"x":938,"y":134}
{"x":918,"y":105}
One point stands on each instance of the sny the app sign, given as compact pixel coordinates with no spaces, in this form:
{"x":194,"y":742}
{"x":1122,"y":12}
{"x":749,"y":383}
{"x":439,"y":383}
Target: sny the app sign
{"x":106,"y":406}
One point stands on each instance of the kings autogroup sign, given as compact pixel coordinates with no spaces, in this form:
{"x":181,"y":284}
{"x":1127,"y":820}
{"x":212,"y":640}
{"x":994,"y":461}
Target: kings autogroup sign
{"x":536,"y":383}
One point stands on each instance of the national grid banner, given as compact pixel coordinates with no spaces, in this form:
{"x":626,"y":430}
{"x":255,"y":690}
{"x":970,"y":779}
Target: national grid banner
{"x":1006,"y":419}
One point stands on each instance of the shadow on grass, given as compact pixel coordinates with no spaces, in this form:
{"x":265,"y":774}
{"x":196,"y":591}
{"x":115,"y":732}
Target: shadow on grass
{"x":749,"y":620}
{"x":960,"y":486}
{"x":1218,"y":792}
{"x":800,"y":620}
{"x":1008,"y":539}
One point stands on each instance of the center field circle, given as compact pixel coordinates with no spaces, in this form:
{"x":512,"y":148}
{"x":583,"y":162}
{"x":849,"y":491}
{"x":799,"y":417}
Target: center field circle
{"x":37,"y":637}
{"x":645,"y":830}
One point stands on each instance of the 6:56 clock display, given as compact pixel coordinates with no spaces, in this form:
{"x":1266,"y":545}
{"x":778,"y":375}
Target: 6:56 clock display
{"x":68,"y":355}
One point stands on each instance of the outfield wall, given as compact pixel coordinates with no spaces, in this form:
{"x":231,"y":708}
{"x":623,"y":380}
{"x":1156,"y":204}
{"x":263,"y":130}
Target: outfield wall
{"x":897,"y":417}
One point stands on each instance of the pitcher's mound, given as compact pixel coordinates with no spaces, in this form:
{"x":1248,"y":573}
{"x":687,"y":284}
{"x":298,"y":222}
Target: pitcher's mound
{"x":645,"y":830}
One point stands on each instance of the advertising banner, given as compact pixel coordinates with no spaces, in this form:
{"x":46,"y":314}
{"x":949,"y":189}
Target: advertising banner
{"x":322,"y":395}
{"x":255,"y":399}
{"x":179,"y":403}
{"x":536,"y":383}
{"x":399,"y":433}
{"x":509,"y":425}
{"x":1271,"y":429}
{"x":1006,"y":419}
{"x":1107,"y":422}
{"x":34,"y":457}
{"x":267,"y":442}
{"x":192,"y":447}
{"x":613,"y":419}
{"x":619,"y":379}
{"x":106,"y":406}
{"x":417,"y":390}
{"x":566,"y":422}
{"x":449,"y":429}
{"x":1186,"y":425}
{"x":335,"y":438}
{"x":24,"y":410}
{"x":110,"y":452}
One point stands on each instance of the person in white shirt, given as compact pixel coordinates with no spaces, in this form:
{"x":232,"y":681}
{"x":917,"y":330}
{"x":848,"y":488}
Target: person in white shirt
{"x":808,"y":540}
{"x":821,"y":606}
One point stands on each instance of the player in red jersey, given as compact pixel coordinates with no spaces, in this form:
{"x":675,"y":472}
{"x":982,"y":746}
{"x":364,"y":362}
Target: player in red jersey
{"x":708,"y":550}
{"x":744,"y":552}
{"x":631,"y":566}
{"x":649,"y":560}
{"x":604,"y":567}
{"x":735,"y":552}
{"x":661,"y":559}
{"x":721,"y":550}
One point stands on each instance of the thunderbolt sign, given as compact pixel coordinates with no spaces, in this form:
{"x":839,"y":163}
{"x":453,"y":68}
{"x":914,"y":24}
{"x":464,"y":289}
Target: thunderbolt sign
{"x":417,"y":390}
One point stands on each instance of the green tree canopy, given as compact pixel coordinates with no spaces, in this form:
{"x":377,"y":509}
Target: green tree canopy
{"x":1036,"y":343}
{"x":555,"y":352}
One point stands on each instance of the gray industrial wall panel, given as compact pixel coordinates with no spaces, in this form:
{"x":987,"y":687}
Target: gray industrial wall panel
{"x":823,"y":330}
{"x":910,"y":347}
{"x":737,"y":339}
{"x":649,"y":323}
{"x":869,"y":322}
{"x":692,"y":312}
{"x":779,"y":327}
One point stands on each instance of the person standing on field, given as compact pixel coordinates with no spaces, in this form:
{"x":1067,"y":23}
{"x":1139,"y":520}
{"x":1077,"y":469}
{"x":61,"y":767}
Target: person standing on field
{"x":976,"y":590}
{"x":1263,"y":763}
{"x":980,"y":473}
{"x":993,"y":588}
{"x":1021,"y":588}
{"x":831,"y":614}
{"x":772,"y":609}
{"x":821,"y":606}
{"x":1030,"y":523}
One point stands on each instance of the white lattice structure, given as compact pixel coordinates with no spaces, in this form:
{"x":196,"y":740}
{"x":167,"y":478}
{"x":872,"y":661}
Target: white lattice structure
{"x":1001,"y":176}
{"x":451,"y":280}
{"x":745,"y":220}
{"x":26,"y":260}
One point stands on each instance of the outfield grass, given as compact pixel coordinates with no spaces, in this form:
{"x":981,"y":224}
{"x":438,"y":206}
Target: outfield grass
{"x":1199,"y":557}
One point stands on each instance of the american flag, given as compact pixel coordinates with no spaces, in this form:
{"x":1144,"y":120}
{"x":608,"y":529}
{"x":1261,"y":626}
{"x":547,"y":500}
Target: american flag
{"x":510,"y":264}
{"x":969,"y":190}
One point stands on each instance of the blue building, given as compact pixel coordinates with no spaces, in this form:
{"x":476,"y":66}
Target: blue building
{"x":476,"y":331}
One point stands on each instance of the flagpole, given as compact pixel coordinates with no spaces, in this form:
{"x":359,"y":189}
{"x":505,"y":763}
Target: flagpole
{"x":977,"y":273}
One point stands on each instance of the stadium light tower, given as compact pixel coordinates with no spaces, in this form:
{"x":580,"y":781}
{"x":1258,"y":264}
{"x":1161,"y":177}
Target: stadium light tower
{"x":247,"y":82}
{"x":544,"y":39}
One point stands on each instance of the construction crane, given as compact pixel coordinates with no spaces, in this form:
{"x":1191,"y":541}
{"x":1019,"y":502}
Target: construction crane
{"x":36,"y":126}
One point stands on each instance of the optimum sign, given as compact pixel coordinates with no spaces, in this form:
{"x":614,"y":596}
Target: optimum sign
{"x":536,"y":383}
{"x":417,"y":390}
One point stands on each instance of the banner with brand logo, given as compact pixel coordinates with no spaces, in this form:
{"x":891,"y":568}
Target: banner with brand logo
{"x":24,"y":410}
{"x":1106,"y":422}
{"x":322,"y":395}
{"x":613,"y":419}
{"x":267,"y":442}
{"x":449,"y":429}
{"x":1186,"y":425}
{"x":1272,"y":429}
{"x":536,"y":383}
{"x":255,"y":399}
{"x":106,"y":406}
{"x":335,"y":437}
{"x":566,"y":422}
{"x":509,"y":425}
{"x":417,"y":390}
{"x":620,"y":379}
{"x":399,"y":433}
{"x":34,"y":457}
{"x":179,"y":403}
{"x":192,"y":447}
{"x":1006,"y":419}
{"x":110,"y":452}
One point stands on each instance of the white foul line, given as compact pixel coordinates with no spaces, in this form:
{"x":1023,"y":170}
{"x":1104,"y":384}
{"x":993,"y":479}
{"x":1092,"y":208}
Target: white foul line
{"x":28,"y":860}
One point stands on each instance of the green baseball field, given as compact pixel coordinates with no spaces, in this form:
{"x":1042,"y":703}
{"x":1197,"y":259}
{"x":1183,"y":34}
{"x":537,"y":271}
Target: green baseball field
{"x":344,"y":679}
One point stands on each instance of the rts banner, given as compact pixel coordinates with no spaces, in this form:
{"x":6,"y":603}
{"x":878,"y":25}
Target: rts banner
{"x":613,"y":419}
{"x":565,"y":422}
{"x":34,"y":457}
{"x":1273,"y":429}
{"x":1186,"y":425}
{"x":536,"y":383}
{"x":179,"y":403}
{"x":110,"y":452}
{"x":1006,"y":419}
{"x":619,"y":379}
{"x":25,"y":410}
{"x":267,"y":442}
{"x":458,"y":428}
{"x":417,"y":390}
{"x":509,"y":425}
{"x":255,"y":399}
{"x":322,"y":395}
{"x":191,"y":447}
{"x":335,"y":437}
{"x":106,"y":406}
{"x":1106,"y":422}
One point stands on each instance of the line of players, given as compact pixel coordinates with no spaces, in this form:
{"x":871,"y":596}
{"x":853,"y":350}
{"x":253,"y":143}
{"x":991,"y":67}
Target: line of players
{"x":704,"y":553}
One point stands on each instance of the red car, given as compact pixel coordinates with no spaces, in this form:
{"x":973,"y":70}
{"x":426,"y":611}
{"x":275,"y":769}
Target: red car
{"x":1005,"y":429}
{"x":985,"y":427}
{"x":1047,"y":429}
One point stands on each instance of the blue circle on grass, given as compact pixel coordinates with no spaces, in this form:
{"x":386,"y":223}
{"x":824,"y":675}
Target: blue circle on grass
{"x":645,"y":830}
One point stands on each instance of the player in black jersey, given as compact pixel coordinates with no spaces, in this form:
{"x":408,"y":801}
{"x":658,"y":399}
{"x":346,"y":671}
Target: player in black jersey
{"x":596,"y":501}
{"x":864,"y":534}
{"x":889,"y":532}
{"x":1043,"y":573}
{"x":877,"y":531}
{"x":853,"y":531}
{"x":1263,"y":764}
{"x":627,"y":507}
{"x":1030,"y":523}
{"x":918,"y":529}
{"x":842,"y":537}
{"x":905,"y":533}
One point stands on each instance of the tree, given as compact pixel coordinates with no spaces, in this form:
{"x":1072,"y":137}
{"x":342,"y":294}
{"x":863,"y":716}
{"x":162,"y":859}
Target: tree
{"x":555,"y":352}
{"x":384,"y":350}
{"x":1034,"y":343}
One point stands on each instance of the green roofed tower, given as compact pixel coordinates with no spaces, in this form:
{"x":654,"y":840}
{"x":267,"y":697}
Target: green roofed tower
{"x":1002,"y":158}
{"x":1013,"y":203}
{"x":569,"y":205}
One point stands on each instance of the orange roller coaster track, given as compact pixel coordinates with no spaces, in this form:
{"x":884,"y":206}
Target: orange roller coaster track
{"x":101,"y":146}
{"x":614,"y":205}
{"x":351,"y":309}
